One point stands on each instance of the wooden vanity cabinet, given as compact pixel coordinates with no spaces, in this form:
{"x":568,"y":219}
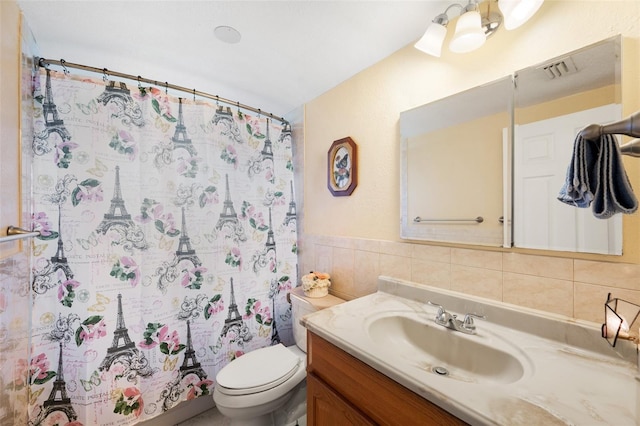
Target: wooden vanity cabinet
{"x":342,"y":390}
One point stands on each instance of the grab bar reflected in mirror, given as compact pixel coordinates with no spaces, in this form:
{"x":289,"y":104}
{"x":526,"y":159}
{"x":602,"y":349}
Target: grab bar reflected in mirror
{"x":478,"y":219}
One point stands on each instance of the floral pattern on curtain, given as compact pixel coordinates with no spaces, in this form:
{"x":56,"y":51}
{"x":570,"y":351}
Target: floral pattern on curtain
{"x":167,"y":247}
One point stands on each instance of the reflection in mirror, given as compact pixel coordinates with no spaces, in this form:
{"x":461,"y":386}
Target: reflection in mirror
{"x":452,"y":177}
{"x":553,"y":102}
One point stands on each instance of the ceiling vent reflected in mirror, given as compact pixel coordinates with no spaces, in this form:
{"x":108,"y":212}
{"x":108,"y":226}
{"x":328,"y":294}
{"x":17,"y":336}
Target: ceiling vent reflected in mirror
{"x":559,"y":68}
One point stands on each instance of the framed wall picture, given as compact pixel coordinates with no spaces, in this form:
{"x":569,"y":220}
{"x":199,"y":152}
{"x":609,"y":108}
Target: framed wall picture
{"x":342,"y":167}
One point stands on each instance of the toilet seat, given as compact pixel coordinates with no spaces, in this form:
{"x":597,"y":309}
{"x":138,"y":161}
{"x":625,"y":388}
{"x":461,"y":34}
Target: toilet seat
{"x":258,"y":371}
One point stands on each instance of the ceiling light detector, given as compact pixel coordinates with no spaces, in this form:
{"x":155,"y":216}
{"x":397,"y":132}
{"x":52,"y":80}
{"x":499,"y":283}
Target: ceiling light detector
{"x":227,"y":34}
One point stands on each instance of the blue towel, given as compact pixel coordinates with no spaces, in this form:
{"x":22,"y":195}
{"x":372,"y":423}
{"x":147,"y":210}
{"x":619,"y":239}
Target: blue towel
{"x":596,"y":177}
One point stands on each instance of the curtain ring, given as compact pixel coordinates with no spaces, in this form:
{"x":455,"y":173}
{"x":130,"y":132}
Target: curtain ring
{"x":166,"y":88}
{"x":105,"y":77}
{"x":259,"y":113}
{"x":194,"y":95}
{"x":139,"y":84}
{"x":64,"y":68}
{"x":217,"y":100}
{"x":238,"y":105}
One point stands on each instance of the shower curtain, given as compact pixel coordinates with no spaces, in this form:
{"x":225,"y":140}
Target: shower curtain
{"x":167,"y":247}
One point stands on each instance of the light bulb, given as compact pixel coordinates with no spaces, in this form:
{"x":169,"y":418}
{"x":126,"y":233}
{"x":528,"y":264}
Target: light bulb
{"x":431,"y":41}
{"x":615,"y":323}
{"x":469,"y":34}
{"x":517,"y":12}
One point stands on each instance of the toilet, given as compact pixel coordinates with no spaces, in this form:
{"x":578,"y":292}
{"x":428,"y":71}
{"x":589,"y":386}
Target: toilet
{"x":267,"y":386}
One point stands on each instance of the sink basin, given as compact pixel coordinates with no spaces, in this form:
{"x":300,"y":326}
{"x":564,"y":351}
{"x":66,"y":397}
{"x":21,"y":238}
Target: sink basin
{"x":441,"y":351}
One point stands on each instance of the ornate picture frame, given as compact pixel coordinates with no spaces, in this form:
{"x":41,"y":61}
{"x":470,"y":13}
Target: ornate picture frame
{"x":342,"y":167}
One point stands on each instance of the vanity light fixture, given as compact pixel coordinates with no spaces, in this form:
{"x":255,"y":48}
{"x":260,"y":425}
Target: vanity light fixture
{"x":476,"y":22}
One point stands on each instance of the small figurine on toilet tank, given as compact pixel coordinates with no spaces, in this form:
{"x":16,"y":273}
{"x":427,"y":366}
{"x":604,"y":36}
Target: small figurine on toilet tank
{"x":316,"y":284}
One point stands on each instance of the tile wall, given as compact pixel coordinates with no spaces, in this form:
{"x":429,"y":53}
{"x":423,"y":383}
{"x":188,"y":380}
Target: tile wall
{"x":571,"y":287}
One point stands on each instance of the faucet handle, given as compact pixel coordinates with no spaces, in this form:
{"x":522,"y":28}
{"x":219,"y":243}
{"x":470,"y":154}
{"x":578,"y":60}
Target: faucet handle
{"x":468,"y":324}
{"x":442,"y":313}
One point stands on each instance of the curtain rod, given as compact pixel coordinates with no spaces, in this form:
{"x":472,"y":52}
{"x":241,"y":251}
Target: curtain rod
{"x":64,"y":64}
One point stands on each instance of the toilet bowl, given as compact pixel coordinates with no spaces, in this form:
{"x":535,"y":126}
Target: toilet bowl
{"x":267,"y":386}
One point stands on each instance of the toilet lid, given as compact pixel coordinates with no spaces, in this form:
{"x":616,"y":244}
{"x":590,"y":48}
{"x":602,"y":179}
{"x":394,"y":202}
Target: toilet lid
{"x":258,"y":370}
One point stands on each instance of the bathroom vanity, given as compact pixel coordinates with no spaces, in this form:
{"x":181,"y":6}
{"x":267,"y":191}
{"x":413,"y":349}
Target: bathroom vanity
{"x":382,"y":359}
{"x":344,"y":390}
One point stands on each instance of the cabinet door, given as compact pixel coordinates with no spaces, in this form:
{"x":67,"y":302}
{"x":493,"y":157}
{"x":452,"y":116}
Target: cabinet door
{"x":326,"y":407}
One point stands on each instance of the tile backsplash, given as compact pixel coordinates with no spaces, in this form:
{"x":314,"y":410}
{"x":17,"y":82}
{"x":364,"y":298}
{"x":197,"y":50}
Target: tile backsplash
{"x":572,"y":287}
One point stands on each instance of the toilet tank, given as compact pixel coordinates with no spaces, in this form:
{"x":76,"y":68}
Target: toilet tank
{"x":301,"y":306}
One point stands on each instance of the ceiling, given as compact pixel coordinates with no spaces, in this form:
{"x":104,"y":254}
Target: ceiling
{"x":290,"y":52}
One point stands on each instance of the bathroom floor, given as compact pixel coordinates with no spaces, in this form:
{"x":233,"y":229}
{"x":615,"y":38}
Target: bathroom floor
{"x":214,"y":418}
{"x":210,"y":417}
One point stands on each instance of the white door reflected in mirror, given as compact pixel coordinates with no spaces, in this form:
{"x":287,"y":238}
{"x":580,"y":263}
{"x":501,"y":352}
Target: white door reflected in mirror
{"x":542,"y":152}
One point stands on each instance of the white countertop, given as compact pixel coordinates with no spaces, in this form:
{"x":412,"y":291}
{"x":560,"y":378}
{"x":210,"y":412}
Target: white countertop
{"x":571,"y":374}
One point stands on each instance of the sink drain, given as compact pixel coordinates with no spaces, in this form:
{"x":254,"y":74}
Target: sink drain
{"x":441,"y":371}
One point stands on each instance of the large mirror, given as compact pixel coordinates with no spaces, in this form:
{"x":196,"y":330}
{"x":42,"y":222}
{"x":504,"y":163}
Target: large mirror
{"x":485,"y":166}
{"x":553,"y":101}
{"x":452,"y":181}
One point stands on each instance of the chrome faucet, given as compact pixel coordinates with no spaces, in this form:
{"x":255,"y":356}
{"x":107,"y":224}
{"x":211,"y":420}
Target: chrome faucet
{"x":451,"y":321}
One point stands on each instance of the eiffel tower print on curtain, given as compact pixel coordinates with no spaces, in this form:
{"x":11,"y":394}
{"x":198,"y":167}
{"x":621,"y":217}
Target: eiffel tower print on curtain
{"x":223,"y":119}
{"x":234,"y":321}
{"x":117,"y":215}
{"x":180,"y":138}
{"x":119,"y":220}
{"x":45,"y":278}
{"x":59,"y":260}
{"x":291,"y":216}
{"x":124,"y":351}
{"x":229,"y":217}
{"x":190,"y":364}
{"x":58,"y":399}
{"x":270,"y":245}
{"x":52,"y":122}
{"x":185,"y":251}
{"x":127,"y":109}
{"x":262,"y":258}
{"x":286,"y":134}
{"x":273,"y":293}
{"x":267,"y":149}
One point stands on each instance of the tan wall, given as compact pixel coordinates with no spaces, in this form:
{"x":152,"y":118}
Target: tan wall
{"x":567,"y":105}
{"x":16,"y":105}
{"x":430,"y":158}
{"x":9,"y":121}
{"x":357,"y":237}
